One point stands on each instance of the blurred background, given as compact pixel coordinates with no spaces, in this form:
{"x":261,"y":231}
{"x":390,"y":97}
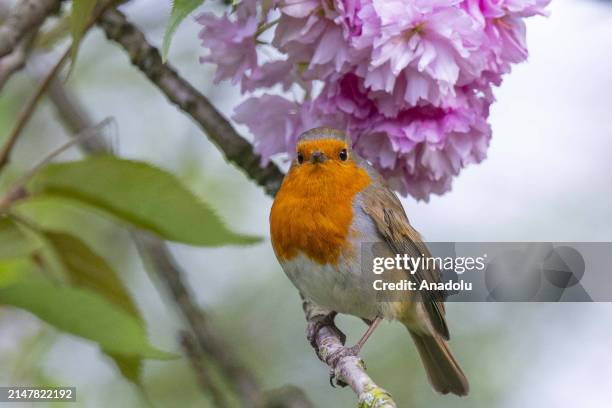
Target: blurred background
{"x":547,"y":177}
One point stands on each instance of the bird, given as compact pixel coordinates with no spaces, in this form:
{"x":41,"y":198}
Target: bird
{"x":332,"y":211}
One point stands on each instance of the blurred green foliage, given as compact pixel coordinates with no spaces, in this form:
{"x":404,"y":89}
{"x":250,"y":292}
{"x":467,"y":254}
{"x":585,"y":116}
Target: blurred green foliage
{"x":138,"y":193}
{"x":95,"y":305}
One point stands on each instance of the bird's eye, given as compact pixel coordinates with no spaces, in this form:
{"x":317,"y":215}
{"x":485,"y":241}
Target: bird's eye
{"x":343,"y":155}
{"x":300,"y":158}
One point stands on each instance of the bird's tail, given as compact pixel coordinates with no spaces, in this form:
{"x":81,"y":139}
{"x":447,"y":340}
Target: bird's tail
{"x":443,"y":371}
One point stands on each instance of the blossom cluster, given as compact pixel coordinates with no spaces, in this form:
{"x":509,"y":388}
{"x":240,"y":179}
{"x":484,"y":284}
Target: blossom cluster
{"x":409,"y":80}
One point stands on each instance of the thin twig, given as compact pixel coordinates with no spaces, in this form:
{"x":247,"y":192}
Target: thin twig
{"x":74,"y":118}
{"x":80,"y":137}
{"x":29,"y":109}
{"x":18,"y":191}
{"x":25,"y":17}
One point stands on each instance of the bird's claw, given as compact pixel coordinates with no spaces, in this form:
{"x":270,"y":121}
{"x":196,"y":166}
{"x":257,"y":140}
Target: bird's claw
{"x":335,"y":357}
{"x":327,"y":320}
{"x":332,"y":377}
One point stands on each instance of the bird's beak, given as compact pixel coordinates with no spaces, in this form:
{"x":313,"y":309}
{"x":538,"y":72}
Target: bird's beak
{"x":317,"y":157}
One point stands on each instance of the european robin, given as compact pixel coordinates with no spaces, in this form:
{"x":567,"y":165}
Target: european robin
{"x":331,"y":207}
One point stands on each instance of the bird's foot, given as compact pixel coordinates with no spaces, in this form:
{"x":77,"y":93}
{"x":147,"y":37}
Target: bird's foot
{"x":325,"y":320}
{"x":335,"y":358}
{"x":335,"y":382}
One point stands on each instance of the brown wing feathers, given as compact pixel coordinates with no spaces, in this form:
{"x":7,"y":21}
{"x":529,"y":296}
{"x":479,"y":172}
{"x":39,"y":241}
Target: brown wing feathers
{"x":388,"y":214}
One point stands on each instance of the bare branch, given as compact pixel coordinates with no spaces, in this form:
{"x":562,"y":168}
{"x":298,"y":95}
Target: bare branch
{"x":26,"y":16}
{"x":166,"y":269}
{"x":196,"y":357}
{"x":180,"y":92}
{"x":74,"y":118}
{"x":17,"y":191}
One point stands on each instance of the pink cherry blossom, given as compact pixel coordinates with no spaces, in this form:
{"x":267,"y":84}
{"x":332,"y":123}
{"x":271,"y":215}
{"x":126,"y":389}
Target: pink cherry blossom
{"x":411,"y":81}
{"x":231,"y":44}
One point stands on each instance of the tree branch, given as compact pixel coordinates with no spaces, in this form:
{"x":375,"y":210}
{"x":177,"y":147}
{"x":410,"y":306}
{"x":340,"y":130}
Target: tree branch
{"x":196,"y":357}
{"x":74,"y":118}
{"x":167,"y":270}
{"x":28,"y":110}
{"x":26,"y":16}
{"x":13,"y":62}
{"x":236,"y":149}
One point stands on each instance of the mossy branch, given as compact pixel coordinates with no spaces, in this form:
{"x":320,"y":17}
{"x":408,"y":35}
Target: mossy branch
{"x":348,"y":370}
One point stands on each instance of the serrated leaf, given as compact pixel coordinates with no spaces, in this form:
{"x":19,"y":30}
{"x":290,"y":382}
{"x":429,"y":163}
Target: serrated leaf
{"x":13,"y":242}
{"x":86,"y":269}
{"x":141,"y":194}
{"x":85,"y":314}
{"x":180,"y":10}
{"x":82,"y":11}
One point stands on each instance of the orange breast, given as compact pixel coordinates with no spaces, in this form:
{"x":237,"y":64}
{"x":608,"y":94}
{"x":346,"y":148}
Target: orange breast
{"x":313,"y":211}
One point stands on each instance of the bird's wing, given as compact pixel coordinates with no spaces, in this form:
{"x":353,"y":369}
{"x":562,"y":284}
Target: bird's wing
{"x":385,"y":209}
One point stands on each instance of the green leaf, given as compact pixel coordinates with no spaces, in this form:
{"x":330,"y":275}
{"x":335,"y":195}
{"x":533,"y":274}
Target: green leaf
{"x":47,"y":39}
{"x":85,"y":314}
{"x":130,"y":367}
{"x":141,"y":194}
{"x":82,"y":11}
{"x":13,"y":242}
{"x":180,"y":10}
{"x":15,"y":270}
{"x":86,"y":269}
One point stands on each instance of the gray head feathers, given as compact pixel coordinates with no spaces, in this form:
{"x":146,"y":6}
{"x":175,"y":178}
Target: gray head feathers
{"x":324,"y":133}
